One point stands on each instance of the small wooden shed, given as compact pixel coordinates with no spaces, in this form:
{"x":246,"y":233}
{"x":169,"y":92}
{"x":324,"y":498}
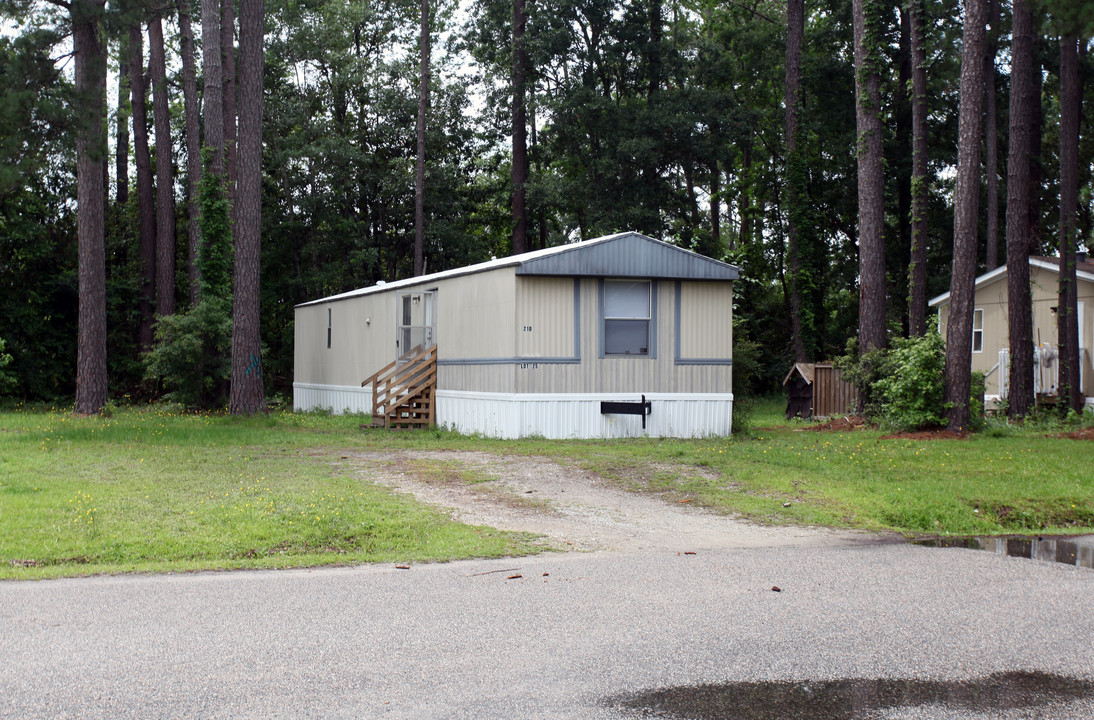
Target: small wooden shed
{"x":818,"y":391}
{"x":619,"y":336}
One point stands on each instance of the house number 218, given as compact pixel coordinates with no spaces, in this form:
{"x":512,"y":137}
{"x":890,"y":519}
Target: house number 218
{"x":527,"y":328}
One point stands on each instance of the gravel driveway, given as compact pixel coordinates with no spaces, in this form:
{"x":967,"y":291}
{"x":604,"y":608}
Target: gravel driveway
{"x":674,"y":599}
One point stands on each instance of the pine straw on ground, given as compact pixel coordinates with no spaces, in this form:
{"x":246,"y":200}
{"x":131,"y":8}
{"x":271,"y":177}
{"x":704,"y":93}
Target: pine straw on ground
{"x":1084,"y":434}
{"x":853,"y":422}
{"x":840,"y":424}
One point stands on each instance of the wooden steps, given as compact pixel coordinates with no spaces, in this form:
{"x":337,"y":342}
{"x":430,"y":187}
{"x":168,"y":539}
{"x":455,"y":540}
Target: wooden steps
{"x":402,"y":394}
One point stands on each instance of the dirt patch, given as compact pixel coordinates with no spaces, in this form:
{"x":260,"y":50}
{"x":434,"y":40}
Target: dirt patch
{"x":841,"y":424}
{"x":570,"y":507}
{"x":1084,"y":434}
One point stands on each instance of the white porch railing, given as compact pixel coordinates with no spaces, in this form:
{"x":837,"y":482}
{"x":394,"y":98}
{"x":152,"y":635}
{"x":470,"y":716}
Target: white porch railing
{"x":1046,"y":370}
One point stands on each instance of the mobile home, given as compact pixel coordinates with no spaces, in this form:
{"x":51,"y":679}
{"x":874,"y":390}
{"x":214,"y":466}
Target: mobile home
{"x":620,"y":336}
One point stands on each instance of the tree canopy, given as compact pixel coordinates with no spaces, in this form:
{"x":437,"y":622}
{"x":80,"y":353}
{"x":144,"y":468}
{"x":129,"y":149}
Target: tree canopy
{"x":666,"y":117}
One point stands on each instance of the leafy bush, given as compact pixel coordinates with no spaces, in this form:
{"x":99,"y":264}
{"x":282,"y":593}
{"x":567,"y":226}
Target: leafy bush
{"x":904,"y":387}
{"x":864,"y":372}
{"x":7,"y":381}
{"x":191,"y":354}
{"x":977,"y":418}
{"x":912,"y":383}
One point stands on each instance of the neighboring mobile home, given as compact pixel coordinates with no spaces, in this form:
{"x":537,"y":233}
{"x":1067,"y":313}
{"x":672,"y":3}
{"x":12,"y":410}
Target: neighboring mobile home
{"x":541,"y":344}
{"x":990,"y":333}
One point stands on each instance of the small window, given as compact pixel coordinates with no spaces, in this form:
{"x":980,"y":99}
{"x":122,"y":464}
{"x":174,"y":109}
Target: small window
{"x":627,"y":317}
{"x":328,"y":328}
{"x":978,"y":330}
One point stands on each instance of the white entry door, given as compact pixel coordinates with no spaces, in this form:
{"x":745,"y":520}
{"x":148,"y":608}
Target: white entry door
{"x":417,"y":322}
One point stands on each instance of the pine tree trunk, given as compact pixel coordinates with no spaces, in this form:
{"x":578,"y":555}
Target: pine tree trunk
{"x":121,"y":145}
{"x":917,"y":269}
{"x":794,"y":195}
{"x":146,"y":207}
{"x":419,"y":170}
{"x":1037,"y":170}
{"x":1067,"y":317}
{"x":213,"y":103}
{"x":248,"y":393}
{"x":902,"y":165}
{"x":519,"y":174}
{"x":871,"y":178}
{"x":991,"y":141}
{"x":1019,"y":305}
{"x":966,"y":216}
{"x":88,"y":46}
{"x":228,"y":78}
{"x":165,"y":180}
{"x":193,"y":145}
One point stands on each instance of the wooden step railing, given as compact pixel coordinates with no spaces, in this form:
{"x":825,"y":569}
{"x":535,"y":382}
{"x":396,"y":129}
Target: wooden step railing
{"x":402,"y":394}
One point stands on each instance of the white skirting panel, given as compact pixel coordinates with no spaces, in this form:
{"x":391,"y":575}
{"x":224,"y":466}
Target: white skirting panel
{"x":561,"y":416}
{"x":338,"y":399}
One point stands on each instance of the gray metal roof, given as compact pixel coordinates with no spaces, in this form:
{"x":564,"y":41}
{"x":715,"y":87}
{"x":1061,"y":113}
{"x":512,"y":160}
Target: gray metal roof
{"x":628,"y":254}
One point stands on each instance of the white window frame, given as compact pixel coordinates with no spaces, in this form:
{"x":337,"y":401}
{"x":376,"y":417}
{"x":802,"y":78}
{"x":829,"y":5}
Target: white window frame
{"x":978,"y":331}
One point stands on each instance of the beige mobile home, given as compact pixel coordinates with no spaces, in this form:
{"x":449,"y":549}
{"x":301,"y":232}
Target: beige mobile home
{"x":620,"y":336}
{"x":990,"y":341}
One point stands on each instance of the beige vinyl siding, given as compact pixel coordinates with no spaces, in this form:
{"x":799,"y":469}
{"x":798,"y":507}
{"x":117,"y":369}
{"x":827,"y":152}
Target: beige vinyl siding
{"x":544,"y":317}
{"x":706,"y":320}
{"x":357,"y":350}
{"x":494,"y":378}
{"x":482,"y":345}
{"x":1044,"y":289}
{"x":1045,"y":297}
{"x":625,"y":374}
{"x":476,"y":316}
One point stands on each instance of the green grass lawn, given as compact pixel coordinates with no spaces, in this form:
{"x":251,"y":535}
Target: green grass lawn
{"x":154,"y":490}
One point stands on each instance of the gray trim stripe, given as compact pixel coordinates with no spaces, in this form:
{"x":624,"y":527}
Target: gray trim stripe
{"x":703,"y":361}
{"x":511,"y":361}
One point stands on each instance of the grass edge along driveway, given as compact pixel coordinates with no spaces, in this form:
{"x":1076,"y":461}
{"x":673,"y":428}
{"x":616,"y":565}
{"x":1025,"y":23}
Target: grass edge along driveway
{"x":156,"y":490}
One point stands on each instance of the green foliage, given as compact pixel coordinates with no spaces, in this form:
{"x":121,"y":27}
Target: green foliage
{"x":977,"y":419}
{"x":904,"y":386}
{"x":191,"y":354}
{"x":910,"y":387}
{"x":7,"y":381}
{"x":215,"y":255}
{"x":865,"y":372}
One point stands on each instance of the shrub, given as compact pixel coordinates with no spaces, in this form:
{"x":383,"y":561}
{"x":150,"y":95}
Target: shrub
{"x":7,"y":381}
{"x":191,"y":354}
{"x":912,"y":384}
{"x":864,"y":372}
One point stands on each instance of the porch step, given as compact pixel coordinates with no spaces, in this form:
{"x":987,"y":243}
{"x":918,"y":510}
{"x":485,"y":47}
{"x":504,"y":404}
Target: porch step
{"x":402,"y":395}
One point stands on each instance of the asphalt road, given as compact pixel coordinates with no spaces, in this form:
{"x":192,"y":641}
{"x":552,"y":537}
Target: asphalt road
{"x":574,"y":637}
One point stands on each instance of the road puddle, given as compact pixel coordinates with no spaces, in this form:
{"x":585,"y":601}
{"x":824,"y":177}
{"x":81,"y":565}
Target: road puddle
{"x":1073,"y":550}
{"x":855,"y":699}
